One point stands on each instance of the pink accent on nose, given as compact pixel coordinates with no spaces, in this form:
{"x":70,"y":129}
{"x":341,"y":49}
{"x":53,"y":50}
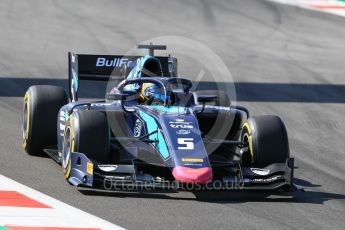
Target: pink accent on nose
{"x":192,"y":175}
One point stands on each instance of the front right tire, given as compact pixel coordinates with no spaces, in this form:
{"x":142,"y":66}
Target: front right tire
{"x":267,"y":141}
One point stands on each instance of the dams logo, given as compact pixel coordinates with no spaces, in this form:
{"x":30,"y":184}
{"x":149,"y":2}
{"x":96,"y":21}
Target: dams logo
{"x":137,"y":128}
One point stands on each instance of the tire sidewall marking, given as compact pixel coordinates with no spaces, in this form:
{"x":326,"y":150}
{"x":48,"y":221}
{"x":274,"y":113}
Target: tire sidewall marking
{"x":70,"y":126}
{"x":250,"y":140}
{"x":27,"y":104}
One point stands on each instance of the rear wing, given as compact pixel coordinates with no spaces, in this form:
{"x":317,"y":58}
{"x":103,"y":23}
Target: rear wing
{"x":107,"y":67}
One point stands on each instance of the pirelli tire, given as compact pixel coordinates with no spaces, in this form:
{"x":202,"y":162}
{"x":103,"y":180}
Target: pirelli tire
{"x":222,"y":98}
{"x":86,"y":132}
{"x":40,"y":112}
{"x":267,"y":141}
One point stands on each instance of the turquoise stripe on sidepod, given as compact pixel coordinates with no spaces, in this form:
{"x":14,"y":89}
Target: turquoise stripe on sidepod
{"x":151,"y":127}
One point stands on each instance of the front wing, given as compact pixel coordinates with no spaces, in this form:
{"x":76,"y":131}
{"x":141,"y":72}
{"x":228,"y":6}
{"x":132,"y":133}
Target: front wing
{"x":86,"y":172}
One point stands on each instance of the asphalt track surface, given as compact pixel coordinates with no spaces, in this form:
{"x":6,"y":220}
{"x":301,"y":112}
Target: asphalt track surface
{"x":284,"y":60}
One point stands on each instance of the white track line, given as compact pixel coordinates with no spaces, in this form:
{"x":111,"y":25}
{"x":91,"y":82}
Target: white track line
{"x":59,"y":215}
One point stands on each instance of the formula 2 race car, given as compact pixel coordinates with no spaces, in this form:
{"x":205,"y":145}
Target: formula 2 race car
{"x":151,"y":131}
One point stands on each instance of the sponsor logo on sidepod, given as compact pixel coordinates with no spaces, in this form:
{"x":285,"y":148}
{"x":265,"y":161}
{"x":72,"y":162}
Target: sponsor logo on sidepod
{"x":181,"y":126}
{"x":183,"y":132}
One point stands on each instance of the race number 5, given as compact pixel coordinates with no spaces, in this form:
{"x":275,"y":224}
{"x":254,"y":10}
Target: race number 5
{"x":185,"y":143}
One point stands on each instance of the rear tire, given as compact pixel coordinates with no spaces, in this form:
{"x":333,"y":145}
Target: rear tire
{"x":222,"y":97}
{"x":87,"y":132}
{"x":267,"y":140}
{"x":40,"y":112}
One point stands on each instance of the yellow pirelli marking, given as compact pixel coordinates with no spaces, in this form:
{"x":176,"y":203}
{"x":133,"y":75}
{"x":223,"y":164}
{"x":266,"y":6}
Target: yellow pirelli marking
{"x":68,"y":172}
{"x":72,"y":133}
{"x":199,"y":160}
{"x":89,"y":168}
{"x":71,"y":127}
{"x":27,"y":102}
{"x":250,"y":140}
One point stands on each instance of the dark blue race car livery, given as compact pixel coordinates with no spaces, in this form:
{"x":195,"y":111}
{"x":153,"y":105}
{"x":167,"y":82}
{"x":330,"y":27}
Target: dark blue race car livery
{"x":177,"y":137}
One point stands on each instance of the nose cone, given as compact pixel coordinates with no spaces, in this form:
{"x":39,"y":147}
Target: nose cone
{"x":192,"y":175}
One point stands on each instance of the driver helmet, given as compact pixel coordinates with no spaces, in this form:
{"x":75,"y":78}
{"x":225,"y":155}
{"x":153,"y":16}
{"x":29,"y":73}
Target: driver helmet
{"x":152,"y":94}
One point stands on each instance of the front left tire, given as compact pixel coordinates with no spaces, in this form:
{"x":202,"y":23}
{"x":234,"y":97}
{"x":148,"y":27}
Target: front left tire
{"x":87,"y":132}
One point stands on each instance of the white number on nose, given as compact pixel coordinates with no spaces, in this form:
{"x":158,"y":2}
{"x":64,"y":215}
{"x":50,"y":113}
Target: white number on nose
{"x":185,"y":143}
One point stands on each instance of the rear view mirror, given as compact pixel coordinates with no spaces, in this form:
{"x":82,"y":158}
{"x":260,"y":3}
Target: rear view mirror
{"x":205,"y":99}
{"x":117,"y":96}
{"x":121,"y":96}
{"x":208,"y":98}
